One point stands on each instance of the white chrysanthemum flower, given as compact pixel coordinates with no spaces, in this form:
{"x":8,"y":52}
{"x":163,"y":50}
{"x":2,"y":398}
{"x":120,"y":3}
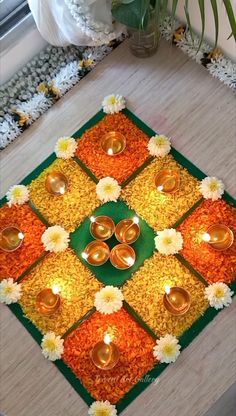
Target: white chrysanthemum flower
{"x":52,"y":346}
{"x":159,"y":145}
{"x":65,"y":147}
{"x":102,"y":409}
{"x":169,"y":241}
{"x":9,"y":130}
{"x":108,"y":300}
{"x":55,"y":239}
{"x":17,"y":195}
{"x":218,"y":295}
{"x":65,"y":79}
{"x":211,"y":188}
{"x":10,"y":292}
{"x":167,"y":349}
{"x":35,"y":107}
{"x":113,"y":104}
{"x":108,"y":189}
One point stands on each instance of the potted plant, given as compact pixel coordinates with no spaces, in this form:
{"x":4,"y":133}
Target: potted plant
{"x":143,"y":19}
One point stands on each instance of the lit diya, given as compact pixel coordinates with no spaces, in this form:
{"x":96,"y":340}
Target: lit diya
{"x":219,"y":236}
{"x":11,"y":238}
{"x":167,"y":181}
{"x":105,"y":354}
{"x":113,"y":143}
{"x":122,"y":256}
{"x":176,"y":300}
{"x":96,"y":253}
{"x":56,"y":183}
{"x":48,"y":300}
{"x":128,"y":230}
{"x":102,"y":227}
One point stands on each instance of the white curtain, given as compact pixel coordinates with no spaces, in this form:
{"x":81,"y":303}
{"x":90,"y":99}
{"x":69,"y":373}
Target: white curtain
{"x":78,"y":22}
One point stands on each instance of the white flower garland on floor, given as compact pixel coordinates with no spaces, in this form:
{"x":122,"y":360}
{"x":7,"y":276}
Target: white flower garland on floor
{"x":40,"y":83}
{"x":59,"y":69}
{"x":219,"y":67}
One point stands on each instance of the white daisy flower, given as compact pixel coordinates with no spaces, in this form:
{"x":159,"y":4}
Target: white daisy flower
{"x":108,"y":300}
{"x":159,"y":145}
{"x":218,"y":295}
{"x":52,"y":346}
{"x":108,"y":189}
{"x":17,"y":195}
{"x":211,"y":188}
{"x":102,"y":409}
{"x":55,"y":239}
{"x":169,"y":241}
{"x":113,"y":104}
{"x":65,"y":147}
{"x":167,"y":349}
{"x":10,"y":292}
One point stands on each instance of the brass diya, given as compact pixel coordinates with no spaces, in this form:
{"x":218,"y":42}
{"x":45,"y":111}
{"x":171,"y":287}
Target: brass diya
{"x":128,"y":230}
{"x":11,"y":238}
{"x":105,"y":355}
{"x":122,"y":256}
{"x":219,"y":236}
{"x":48,"y":301}
{"x":56,"y":183}
{"x":167,"y":181}
{"x":96,"y":253}
{"x":102,"y":227}
{"x":177,"y":300}
{"x":113,"y":143}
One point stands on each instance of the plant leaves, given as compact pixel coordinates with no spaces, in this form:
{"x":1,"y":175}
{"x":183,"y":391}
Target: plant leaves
{"x":231,"y":16}
{"x":133,"y":14}
{"x":188,"y":19}
{"x":216,"y":17}
{"x":202,"y":11}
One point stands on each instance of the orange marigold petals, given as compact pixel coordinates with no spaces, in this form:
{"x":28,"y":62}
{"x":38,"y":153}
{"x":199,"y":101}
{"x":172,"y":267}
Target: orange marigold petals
{"x":15,"y":263}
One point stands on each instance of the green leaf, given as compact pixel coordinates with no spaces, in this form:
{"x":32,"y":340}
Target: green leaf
{"x":133,"y":14}
{"x":188,"y":19}
{"x":231,"y":16}
{"x":216,"y":17}
{"x":202,"y":12}
{"x":164,"y":8}
{"x":173,"y":11}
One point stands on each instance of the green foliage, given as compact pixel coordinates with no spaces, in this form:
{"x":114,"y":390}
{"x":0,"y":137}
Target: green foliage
{"x":135,"y":13}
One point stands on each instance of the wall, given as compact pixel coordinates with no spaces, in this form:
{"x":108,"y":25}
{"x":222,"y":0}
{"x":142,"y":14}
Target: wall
{"x":18,"y":47}
{"x":228,"y":46}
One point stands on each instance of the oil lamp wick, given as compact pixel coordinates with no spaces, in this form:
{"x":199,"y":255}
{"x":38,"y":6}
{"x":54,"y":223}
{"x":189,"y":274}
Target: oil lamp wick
{"x":110,"y":151}
{"x":167,"y":289}
{"x":107,"y":339}
{"x":55,"y":289}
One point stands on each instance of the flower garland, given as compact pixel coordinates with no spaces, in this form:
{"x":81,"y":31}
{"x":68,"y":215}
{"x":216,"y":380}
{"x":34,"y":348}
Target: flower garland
{"x":40,"y":83}
{"x":218,"y":65}
{"x":48,"y":76}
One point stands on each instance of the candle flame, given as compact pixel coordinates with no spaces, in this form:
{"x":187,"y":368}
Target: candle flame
{"x":135,"y":220}
{"x":130,"y":261}
{"x":55,"y":289}
{"x":206,"y":237}
{"x":62,"y":190}
{"x":84,"y":255}
{"x":20,"y":236}
{"x":160,"y":188}
{"x":107,"y":339}
{"x":92,"y":219}
{"x":110,"y":152}
{"x":167,"y":289}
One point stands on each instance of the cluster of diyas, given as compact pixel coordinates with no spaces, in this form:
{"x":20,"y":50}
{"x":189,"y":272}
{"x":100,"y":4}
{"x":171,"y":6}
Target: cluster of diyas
{"x":118,"y":192}
{"x":102,"y":227}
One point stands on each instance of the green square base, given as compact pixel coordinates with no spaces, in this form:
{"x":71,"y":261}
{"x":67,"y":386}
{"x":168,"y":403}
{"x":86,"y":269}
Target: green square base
{"x":144,"y":246}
